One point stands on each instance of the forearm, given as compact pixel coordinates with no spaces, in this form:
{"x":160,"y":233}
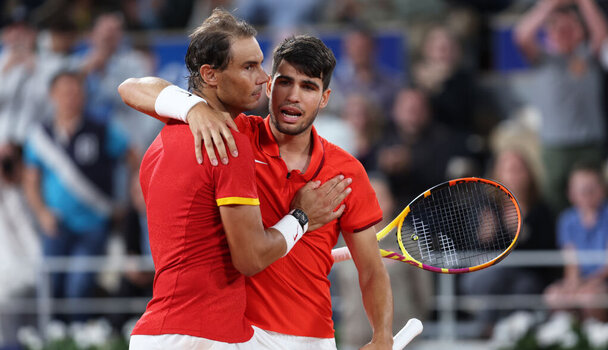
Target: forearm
{"x":141,"y":94}
{"x":252,"y":247}
{"x":378,"y":303}
{"x":595,"y":22}
{"x":268,"y":247}
{"x":526,"y":29}
{"x":31,"y":187}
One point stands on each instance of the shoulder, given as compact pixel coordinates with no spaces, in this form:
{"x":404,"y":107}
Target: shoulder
{"x":338,"y":157}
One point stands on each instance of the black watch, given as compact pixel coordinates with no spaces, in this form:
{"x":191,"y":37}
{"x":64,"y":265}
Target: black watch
{"x":301,"y":216}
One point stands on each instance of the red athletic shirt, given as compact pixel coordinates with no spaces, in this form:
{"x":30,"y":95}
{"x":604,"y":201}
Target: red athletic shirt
{"x":197,"y":291}
{"x":291,"y":296}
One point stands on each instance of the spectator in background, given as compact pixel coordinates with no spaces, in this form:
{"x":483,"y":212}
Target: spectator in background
{"x":20,"y":251}
{"x":414,"y":286}
{"x":569,"y":90}
{"x":17,"y":63}
{"x":416,"y":152}
{"x":449,"y":85}
{"x":106,"y":64}
{"x":55,"y":53}
{"x":359,"y":72}
{"x":582,"y":228}
{"x":368,"y":123}
{"x":278,"y":14}
{"x":68,"y":182}
{"x":513,"y":170}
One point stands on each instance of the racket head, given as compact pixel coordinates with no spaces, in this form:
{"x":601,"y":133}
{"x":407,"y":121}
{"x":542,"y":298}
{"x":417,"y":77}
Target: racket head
{"x":458,"y":226}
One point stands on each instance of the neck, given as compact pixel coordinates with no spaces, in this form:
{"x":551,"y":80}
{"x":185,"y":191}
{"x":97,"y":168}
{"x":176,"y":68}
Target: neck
{"x":294,"y":149}
{"x":67,"y":122}
{"x":210,"y":95}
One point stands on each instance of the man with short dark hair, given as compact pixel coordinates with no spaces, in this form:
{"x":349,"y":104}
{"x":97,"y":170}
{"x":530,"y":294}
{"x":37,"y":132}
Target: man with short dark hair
{"x":289,"y":302}
{"x":68,"y":182}
{"x":204,"y":222}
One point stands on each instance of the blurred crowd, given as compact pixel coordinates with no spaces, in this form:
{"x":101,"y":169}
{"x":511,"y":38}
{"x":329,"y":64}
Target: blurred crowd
{"x":70,"y":149}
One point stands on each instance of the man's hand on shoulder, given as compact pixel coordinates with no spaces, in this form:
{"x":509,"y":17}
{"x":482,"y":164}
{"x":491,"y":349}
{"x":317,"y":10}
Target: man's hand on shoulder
{"x":212,"y":128}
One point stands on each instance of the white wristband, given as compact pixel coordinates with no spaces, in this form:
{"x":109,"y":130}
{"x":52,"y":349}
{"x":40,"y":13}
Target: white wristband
{"x":291,"y":230}
{"x":175,"y":102}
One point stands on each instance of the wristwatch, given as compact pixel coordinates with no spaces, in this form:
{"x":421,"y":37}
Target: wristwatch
{"x":301,"y":216}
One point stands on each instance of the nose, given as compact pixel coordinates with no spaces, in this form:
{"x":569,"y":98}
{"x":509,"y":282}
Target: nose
{"x":262,"y":77}
{"x":294,"y":94}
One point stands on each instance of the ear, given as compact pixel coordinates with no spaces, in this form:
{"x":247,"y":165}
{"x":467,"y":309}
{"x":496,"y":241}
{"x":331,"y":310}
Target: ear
{"x":325,"y":98}
{"x":269,"y":86}
{"x":208,"y":75}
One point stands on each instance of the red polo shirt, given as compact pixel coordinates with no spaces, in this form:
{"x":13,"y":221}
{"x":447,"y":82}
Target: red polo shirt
{"x":291,"y":296}
{"x":197,"y":290}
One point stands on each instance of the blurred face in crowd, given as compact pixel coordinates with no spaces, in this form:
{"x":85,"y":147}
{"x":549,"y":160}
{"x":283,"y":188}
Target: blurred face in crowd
{"x":67,"y":94}
{"x":512,"y":171}
{"x":355,"y":111}
{"x":63,"y":41}
{"x":19,"y":37}
{"x":564,"y":31}
{"x":359,"y":48}
{"x":440,"y":46}
{"x":239,"y":85}
{"x":108,"y":32}
{"x":295,"y":99}
{"x":586,"y":190}
{"x":411,"y":111}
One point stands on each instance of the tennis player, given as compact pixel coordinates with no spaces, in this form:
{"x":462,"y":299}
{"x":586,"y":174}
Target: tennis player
{"x":204,"y":222}
{"x":289,"y":302}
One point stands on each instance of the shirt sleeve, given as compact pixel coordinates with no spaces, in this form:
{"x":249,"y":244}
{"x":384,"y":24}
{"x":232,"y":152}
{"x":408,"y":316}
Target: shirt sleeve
{"x":362,"y":208}
{"x":235,"y":182}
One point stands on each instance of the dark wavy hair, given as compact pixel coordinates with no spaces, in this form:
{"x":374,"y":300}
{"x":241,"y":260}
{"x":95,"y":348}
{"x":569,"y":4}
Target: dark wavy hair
{"x":210,"y":44}
{"x":308,"y":55}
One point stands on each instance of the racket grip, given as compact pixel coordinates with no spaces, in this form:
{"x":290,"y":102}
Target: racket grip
{"x":412,"y":328}
{"x":341,"y":254}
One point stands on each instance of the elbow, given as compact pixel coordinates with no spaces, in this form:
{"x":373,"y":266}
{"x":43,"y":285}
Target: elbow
{"x":125,"y":88}
{"x":247,"y":267}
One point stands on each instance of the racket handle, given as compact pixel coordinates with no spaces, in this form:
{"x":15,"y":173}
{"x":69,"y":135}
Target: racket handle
{"x":341,"y":254}
{"x":412,"y":328}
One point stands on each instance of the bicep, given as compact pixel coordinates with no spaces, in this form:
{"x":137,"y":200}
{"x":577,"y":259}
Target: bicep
{"x":242,"y":223}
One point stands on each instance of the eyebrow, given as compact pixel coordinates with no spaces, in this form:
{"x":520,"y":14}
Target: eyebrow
{"x":310,"y":82}
{"x":246,"y":63}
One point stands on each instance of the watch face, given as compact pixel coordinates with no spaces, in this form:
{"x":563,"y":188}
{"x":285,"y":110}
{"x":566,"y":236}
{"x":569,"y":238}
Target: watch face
{"x":301,"y":216}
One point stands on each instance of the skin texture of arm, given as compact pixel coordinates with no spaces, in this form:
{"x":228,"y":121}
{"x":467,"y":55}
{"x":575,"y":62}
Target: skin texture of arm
{"x":140,"y":94}
{"x":594,"y":21}
{"x":527,"y":28}
{"x":375,"y":286}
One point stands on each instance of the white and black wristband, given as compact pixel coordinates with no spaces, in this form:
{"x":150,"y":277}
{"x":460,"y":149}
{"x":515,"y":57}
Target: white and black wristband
{"x":292,"y":227}
{"x":175,"y":102}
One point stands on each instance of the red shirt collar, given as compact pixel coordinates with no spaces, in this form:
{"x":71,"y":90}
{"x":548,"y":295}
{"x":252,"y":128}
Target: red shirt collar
{"x":269,"y":145}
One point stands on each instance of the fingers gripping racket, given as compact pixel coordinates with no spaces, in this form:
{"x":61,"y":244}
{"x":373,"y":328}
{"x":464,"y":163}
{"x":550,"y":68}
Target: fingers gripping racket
{"x":458,"y":226}
{"x":412,"y":328}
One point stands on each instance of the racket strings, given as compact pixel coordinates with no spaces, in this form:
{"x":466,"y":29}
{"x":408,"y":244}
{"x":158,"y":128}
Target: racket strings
{"x":463,"y":225}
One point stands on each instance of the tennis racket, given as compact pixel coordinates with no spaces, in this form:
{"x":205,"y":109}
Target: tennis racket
{"x":412,"y":328}
{"x":458,"y":226}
